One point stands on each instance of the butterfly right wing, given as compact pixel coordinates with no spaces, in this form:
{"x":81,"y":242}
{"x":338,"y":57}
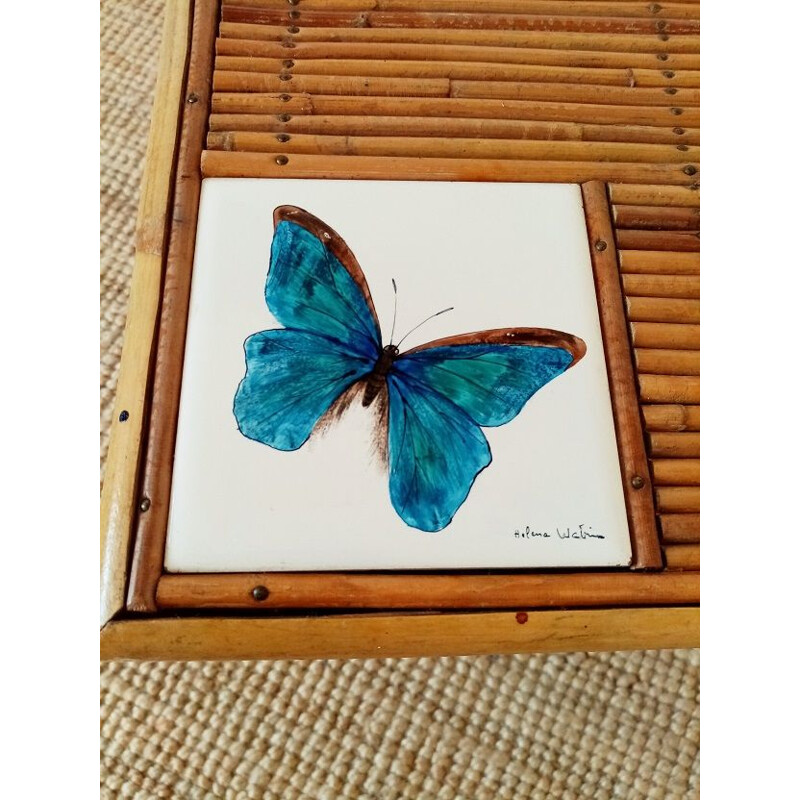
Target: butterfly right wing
{"x":292,"y":379}
{"x":435,"y":453}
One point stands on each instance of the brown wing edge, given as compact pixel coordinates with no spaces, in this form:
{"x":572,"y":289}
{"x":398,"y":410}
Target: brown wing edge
{"x":532,"y":337}
{"x":331,"y":240}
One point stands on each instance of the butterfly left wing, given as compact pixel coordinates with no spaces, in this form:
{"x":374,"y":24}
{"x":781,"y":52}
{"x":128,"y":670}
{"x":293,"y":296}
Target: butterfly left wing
{"x":442,"y":393}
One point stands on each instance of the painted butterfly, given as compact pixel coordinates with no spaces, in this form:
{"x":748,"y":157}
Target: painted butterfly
{"x":439,"y":395}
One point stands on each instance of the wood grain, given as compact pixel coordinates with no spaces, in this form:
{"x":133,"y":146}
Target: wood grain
{"x":660,"y":218}
{"x":675,"y":445}
{"x":119,"y":499}
{"x":681,"y":389}
{"x":655,"y":195}
{"x":651,"y":262}
{"x":630,"y":442}
{"x":666,"y":335}
{"x":682,"y":556}
{"x":425,"y":591}
{"x":659,"y":285}
{"x":668,"y":362}
{"x":400,"y":635}
{"x":680,"y":528}
{"x":151,"y":531}
{"x":675,"y":472}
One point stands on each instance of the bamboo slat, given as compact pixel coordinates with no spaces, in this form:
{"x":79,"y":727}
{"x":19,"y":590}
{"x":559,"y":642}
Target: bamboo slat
{"x":377,"y":106}
{"x":414,"y":20}
{"x":386,"y":635}
{"x":660,"y":218}
{"x":675,"y":63}
{"x":668,"y":362}
{"x":331,"y":84}
{"x":118,"y":501}
{"x":649,"y":285}
{"x":148,"y":555}
{"x":665,"y":335}
{"x":663,"y":309}
{"x":458,"y":70}
{"x":674,"y":445}
{"x":593,"y":8}
{"x":682,"y":556}
{"x":222,"y":164}
{"x":678,"y":499}
{"x":653,"y":262}
{"x":439,"y":127}
{"x":452,"y":147}
{"x":626,"y":194}
{"x":673,"y":241}
{"x":617,"y":43}
{"x":676,"y":472}
{"x":671,"y":417}
{"x":680,"y":528}
{"x":681,"y":389}
{"x":415,"y":591}
{"x":630,"y":442}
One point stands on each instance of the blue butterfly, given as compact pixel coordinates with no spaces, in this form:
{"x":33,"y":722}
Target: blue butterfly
{"x":439,"y":395}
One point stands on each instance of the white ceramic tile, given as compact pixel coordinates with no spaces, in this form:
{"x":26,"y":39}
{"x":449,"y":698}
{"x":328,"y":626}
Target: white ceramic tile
{"x":503,"y":255}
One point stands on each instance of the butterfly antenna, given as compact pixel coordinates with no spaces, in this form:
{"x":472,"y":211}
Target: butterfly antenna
{"x":394,"y":318}
{"x":443,"y":311}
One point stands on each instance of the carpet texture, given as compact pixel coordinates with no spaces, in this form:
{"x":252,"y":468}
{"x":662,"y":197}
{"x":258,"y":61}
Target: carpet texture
{"x":613,"y":725}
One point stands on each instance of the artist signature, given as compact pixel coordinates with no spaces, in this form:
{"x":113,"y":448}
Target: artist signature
{"x":581,"y":532}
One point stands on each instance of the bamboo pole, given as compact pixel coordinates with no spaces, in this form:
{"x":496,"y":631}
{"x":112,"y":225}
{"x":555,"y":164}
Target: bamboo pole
{"x":439,"y":126}
{"x":676,"y":472}
{"x":680,"y":528}
{"x":672,"y":417}
{"x":572,"y":93}
{"x":535,"y":150}
{"x":662,"y":309}
{"x":415,"y":591}
{"x":654,"y":262}
{"x":682,"y":557}
{"x":118,"y":501}
{"x":617,"y":43}
{"x":373,"y":106}
{"x":386,"y":635}
{"x":148,"y":555}
{"x":674,"y":445}
{"x":660,"y":218}
{"x":645,"y":285}
{"x":631,"y":8}
{"x":682,"y":389}
{"x":330,"y":84}
{"x":414,"y":20}
{"x":678,"y":499}
{"x":456,"y":70}
{"x":628,"y":426}
{"x":627,"y":194}
{"x":665,"y":335}
{"x":672,"y":241}
{"x":668,"y":362}
{"x":220,"y":164}
{"x":675,"y":63}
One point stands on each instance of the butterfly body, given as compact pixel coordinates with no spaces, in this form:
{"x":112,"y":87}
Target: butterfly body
{"x":376,"y":380}
{"x":439,"y":395}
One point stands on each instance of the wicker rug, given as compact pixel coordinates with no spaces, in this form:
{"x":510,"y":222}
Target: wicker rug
{"x":621,"y":725}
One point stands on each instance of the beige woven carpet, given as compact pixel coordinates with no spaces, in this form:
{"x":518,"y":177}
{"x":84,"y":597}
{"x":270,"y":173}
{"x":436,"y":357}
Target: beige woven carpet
{"x":619,"y":725}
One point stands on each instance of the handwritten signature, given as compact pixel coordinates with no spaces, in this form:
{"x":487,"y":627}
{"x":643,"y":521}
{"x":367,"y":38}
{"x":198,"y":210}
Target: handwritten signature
{"x":581,"y":532}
